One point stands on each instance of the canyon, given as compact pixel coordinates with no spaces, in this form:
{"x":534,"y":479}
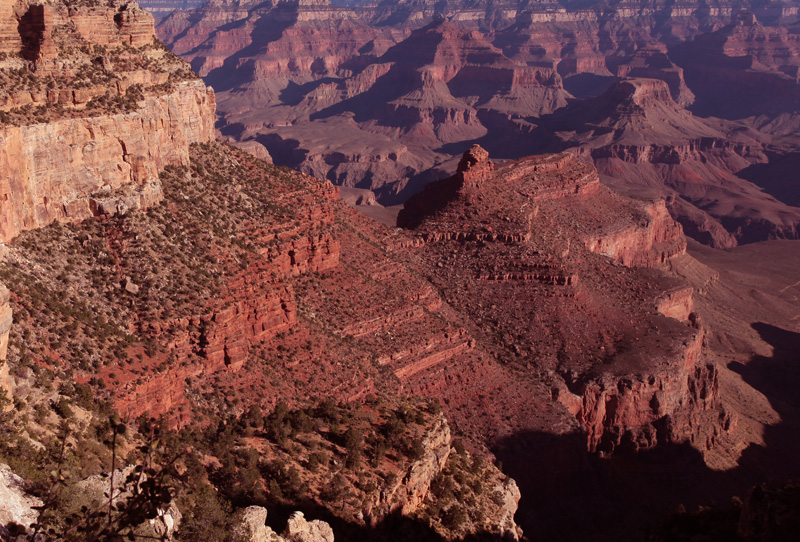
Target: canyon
{"x":308,"y":295}
{"x":544,"y":311}
{"x":385,"y":97}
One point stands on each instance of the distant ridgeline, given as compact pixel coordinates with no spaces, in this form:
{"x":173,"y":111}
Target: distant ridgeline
{"x":385,"y":96}
{"x":162,"y":8}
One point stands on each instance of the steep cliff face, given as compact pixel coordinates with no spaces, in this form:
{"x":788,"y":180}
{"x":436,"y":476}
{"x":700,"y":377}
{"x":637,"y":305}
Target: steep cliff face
{"x":411,"y":490}
{"x":677,"y":401}
{"x":103,"y":109}
{"x":66,"y":170}
{"x":41,"y":33}
{"x":656,"y":240}
{"x":36,"y":28}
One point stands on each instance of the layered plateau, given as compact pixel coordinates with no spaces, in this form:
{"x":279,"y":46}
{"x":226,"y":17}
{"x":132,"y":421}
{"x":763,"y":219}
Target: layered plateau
{"x":385,"y":97}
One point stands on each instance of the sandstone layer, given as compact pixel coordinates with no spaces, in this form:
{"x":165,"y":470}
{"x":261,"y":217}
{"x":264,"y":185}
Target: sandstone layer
{"x":74,"y":168}
{"x":102,"y":112}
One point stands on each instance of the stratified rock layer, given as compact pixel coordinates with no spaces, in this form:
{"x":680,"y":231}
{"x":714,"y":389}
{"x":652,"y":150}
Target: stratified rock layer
{"x":527,"y":234}
{"x":384,"y":97}
{"x":107,"y":109}
{"x":646,"y":144}
{"x":63,"y":170}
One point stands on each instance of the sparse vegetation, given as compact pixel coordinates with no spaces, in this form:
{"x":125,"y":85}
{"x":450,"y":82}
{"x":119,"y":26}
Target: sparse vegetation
{"x":98,"y":79}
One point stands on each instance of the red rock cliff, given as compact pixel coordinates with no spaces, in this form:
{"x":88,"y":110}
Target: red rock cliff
{"x":116,"y":109}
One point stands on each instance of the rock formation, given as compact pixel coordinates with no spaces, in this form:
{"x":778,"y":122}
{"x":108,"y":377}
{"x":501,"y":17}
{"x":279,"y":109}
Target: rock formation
{"x":298,"y":529}
{"x":511,"y":214}
{"x":646,"y":144}
{"x":19,"y":507}
{"x":528,"y":248}
{"x":411,"y":490}
{"x":103,"y":110}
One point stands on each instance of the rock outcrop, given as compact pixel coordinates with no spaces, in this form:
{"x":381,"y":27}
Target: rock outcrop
{"x":655,"y":240}
{"x":107,"y":109}
{"x":96,"y":489}
{"x":674,"y":403}
{"x":19,"y":507}
{"x":298,"y":529}
{"x":409,"y":493}
{"x":535,"y":225}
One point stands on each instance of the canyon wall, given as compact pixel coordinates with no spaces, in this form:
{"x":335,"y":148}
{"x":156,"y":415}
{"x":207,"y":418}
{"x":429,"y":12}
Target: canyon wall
{"x":676,"y":401}
{"x":92,"y":109}
{"x":36,"y":28}
{"x":6,"y":319}
{"x":65,"y":170}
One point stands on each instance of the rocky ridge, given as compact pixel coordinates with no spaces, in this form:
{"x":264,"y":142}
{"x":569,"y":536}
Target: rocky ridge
{"x":517,"y":264}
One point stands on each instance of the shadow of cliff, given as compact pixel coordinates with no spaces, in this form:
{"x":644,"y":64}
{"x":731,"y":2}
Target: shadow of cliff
{"x":777,"y":177}
{"x":778,"y":378}
{"x":587,"y":85}
{"x":569,"y":494}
